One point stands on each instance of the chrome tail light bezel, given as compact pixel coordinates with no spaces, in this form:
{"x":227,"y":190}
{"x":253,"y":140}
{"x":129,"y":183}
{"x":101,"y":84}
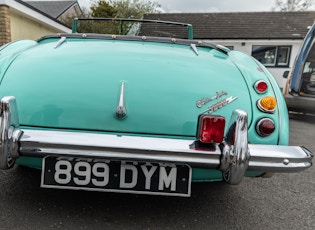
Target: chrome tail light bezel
{"x":259,"y":123}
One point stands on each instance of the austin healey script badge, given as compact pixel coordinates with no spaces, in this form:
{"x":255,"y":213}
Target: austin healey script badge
{"x":217,"y":105}
{"x":204,"y":101}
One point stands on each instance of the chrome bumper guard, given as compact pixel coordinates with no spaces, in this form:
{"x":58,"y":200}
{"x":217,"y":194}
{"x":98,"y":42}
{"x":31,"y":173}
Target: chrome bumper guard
{"x":233,"y":157}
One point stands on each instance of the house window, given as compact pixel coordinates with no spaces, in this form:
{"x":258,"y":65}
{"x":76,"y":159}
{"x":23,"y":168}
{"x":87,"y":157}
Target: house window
{"x":277,"y":56}
{"x":230,"y":47}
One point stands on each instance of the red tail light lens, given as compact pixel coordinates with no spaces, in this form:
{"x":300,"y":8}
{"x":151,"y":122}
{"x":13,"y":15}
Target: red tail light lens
{"x":265,"y":127}
{"x":261,"y":86}
{"x":211,"y":129}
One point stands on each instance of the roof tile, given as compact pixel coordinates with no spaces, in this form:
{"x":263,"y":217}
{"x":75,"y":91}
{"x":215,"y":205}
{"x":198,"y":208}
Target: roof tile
{"x":236,"y":25}
{"x":52,"y":8}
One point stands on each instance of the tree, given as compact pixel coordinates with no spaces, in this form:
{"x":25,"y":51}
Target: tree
{"x":133,"y":9}
{"x":292,"y":5}
{"x":100,"y":9}
{"x":103,"y":9}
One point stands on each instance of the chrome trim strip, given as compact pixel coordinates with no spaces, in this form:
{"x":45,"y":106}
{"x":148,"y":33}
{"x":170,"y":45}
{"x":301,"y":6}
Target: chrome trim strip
{"x":59,"y":43}
{"x":223,"y":48}
{"x":121,"y":111}
{"x":40,"y":143}
{"x":179,"y":41}
{"x":231,"y":157}
{"x":194,"y":48}
{"x":263,"y":158}
{"x":279,"y":158}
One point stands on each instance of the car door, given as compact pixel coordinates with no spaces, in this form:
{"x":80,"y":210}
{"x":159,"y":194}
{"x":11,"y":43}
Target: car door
{"x":306,"y":54}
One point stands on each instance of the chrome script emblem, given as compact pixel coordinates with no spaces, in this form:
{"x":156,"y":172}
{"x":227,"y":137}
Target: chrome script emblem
{"x":220,"y":104}
{"x":204,"y":101}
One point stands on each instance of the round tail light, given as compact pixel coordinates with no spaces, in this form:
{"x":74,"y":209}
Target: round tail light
{"x":265,"y":127}
{"x":260,"y":86}
{"x":267,"y":104}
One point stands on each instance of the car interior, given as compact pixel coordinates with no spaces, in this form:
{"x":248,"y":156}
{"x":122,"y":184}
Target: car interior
{"x":308,"y":77}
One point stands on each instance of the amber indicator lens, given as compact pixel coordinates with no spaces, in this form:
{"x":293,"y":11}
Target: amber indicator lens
{"x":267,"y":104}
{"x":211,"y":129}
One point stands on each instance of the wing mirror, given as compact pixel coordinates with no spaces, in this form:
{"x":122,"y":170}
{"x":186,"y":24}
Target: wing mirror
{"x":286,"y":74}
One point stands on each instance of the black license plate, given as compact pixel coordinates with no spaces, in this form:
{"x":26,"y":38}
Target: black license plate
{"x":116,"y":176}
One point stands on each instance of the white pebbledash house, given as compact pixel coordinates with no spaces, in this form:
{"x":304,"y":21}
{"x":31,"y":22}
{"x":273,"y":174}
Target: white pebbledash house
{"x":274,"y":38}
{"x":33,"y":19}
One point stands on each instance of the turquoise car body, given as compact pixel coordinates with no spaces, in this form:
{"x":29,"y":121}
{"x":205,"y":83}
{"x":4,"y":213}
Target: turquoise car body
{"x":73,"y":82}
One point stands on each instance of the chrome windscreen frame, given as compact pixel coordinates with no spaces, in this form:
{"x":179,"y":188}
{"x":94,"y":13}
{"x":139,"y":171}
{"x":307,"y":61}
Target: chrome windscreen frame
{"x":233,"y":157}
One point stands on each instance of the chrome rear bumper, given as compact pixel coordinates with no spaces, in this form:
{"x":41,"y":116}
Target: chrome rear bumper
{"x":233,"y":157}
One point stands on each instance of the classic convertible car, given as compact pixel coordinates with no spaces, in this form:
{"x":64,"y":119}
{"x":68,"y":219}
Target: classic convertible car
{"x":140,"y":114}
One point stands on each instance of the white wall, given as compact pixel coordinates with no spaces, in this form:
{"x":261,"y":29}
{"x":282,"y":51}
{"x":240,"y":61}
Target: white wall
{"x":246,"y":47}
{"x":27,"y":23}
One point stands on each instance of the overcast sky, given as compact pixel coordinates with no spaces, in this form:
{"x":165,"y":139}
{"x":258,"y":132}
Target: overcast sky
{"x":172,"y":6}
{"x":178,"y":6}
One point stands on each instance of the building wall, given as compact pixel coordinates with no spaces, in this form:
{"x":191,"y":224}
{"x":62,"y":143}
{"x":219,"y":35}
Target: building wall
{"x":5,"y":27}
{"x":23,"y":27}
{"x":246,"y":47}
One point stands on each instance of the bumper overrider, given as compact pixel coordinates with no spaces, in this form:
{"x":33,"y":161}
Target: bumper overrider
{"x":233,"y":157}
